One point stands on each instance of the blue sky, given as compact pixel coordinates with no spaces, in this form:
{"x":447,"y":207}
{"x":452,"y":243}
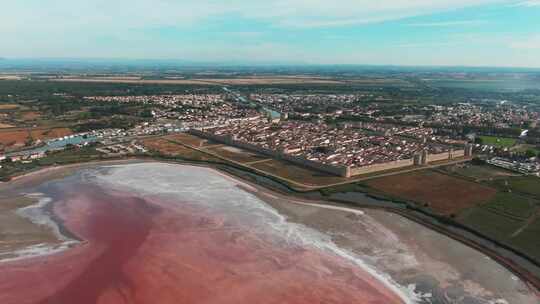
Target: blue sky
{"x":397,"y":32}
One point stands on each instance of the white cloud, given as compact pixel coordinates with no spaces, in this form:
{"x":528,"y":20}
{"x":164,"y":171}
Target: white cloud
{"x":530,"y":3}
{"x":429,"y":44}
{"x":324,"y":13}
{"x":527,"y":43}
{"x":449,"y":23}
{"x":137,"y":29}
{"x":64,"y":15}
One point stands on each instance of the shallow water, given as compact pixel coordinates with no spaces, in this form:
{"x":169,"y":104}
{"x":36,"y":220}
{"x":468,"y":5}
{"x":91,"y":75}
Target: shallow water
{"x":161,"y":233}
{"x":156,"y":233}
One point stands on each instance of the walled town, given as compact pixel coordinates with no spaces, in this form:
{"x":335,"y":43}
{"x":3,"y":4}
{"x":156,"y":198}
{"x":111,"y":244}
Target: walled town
{"x":341,"y":134}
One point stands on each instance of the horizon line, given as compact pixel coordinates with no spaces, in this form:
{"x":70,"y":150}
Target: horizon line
{"x":194,"y":63}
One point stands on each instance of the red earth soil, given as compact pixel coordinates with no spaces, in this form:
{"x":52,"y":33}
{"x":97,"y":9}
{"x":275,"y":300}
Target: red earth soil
{"x":152,"y":251}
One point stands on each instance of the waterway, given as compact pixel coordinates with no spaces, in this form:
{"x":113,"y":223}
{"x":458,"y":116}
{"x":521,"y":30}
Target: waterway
{"x":273,"y":114}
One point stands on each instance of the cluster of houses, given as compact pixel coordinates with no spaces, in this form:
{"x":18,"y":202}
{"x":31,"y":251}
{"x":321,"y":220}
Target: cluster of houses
{"x":527,"y":167}
{"x":122,"y":149}
{"x":329,"y":145}
{"x":24,"y":158}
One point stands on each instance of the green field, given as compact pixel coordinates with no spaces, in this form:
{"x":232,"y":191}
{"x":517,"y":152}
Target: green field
{"x":528,"y":240}
{"x":521,"y":235}
{"x":295,"y":173}
{"x":353,"y":187}
{"x":490,"y":223}
{"x":500,"y":142}
{"x":529,"y":185}
{"x":490,"y":85}
{"x":477,"y":172}
{"x":525,"y":148}
{"x":512,"y":205}
{"x":509,"y":218}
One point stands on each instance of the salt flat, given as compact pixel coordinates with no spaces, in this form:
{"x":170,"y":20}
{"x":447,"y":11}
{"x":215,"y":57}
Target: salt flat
{"x":155,"y":232}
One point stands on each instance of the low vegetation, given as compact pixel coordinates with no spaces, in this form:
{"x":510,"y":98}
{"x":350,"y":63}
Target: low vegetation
{"x":169,"y":149}
{"x":528,"y":185}
{"x":442,"y":193}
{"x":69,"y":156}
{"x":10,"y":138}
{"x":499,"y":142}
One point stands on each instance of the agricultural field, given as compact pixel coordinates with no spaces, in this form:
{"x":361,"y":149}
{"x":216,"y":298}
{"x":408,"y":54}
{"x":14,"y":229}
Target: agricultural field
{"x":13,"y":115}
{"x":529,"y":185}
{"x":30,"y":115}
{"x":477,"y":172}
{"x":168,"y":148}
{"x":19,"y":137}
{"x":490,"y":85}
{"x":5,"y":126}
{"x":187,"y":139}
{"x":289,"y":171}
{"x":510,"y":218}
{"x":442,"y":193}
{"x":4,"y":106}
{"x":235,"y":154}
{"x":493,"y":225}
{"x":499,"y":142}
{"x":269,"y":80}
{"x":137,"y":81}
{"x":512,"y":205}
{"x":527,"y":240}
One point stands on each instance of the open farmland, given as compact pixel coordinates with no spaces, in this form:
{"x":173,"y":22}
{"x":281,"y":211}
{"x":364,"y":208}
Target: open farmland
{"x":246,"y":80}
{"x":512,"y":205}
{"x":30,"y":115}
{"x":134,"y":81}
{"x":297,"y":174}
{"x":18,"y":137}
{"x":490,"y":223}
{"x":478,"y":172}
{"x":528,"y":240}
{"x":509,"y":218}
{"x":442,"y":193}
{"x":187,"y":139}
{"x":484,"y":84}
{"x":529,"y":185}
{"x":8,"y":107}
{"x":235,"y":154}
{"x":5,"y":126}
{"x":270,"y":80}
{"x":168,"y":148}
{"x":261,"y":80}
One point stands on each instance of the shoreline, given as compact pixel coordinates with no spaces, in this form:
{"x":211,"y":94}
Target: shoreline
{"x":38,"y":176}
